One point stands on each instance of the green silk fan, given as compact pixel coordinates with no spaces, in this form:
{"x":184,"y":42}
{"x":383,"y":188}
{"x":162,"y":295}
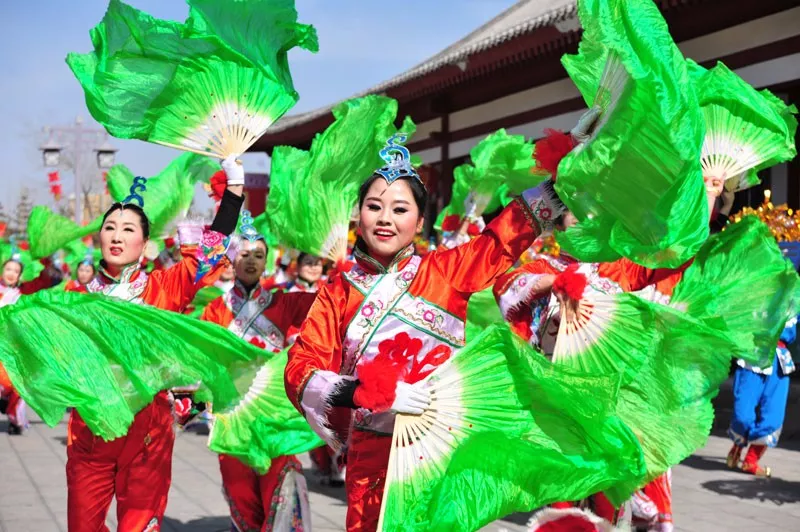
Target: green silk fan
{"x":108,"y":358}
{"x":265,"y":424}
{"x":500,"y":166}
{"x":608,"y":333}
{"x":635,"y":183}
{"x":212,"y":85}
{"x":169,"y":193}
{"x":48,"y":232}
{"x":746,"y":130}
{"x":506,"y":431}
{"x":312,"y":194}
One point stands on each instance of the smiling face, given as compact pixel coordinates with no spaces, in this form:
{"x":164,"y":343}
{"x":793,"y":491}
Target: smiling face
{"x":85,"y":273}
{"x":122,"y":240}
{"x":309,"y":269}
{"x":250,"y":262}
{"x":12,"y":271}
{"x":389,"y":219}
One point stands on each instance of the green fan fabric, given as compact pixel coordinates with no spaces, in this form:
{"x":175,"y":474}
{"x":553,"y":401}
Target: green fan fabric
{"x":108,"y":358}
{"x":500,"y":167}
{"x":312,"y":194}
{"x":170,"y":193}
{"x":756,"y":126}
{"x":265,"y":424}
{"x":202,"y":298}
{"x":213,"y":84}
{"x":636,"y":185}
{"x":48,"y":232}
{"x":741,"y":282}
{"x":482,"y":312}
{"x":538,"y":433}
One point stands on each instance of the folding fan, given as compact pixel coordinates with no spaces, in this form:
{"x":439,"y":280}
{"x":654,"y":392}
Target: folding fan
{"x":609,"y":332}
{"x":169,"y":193}
{"x":212,"y":85}
{"x":635,"y":182}
{"x":62,"y":349}
{"x":746,"y":130}
{"x":264,"y":425}
{"x":312,"y":194}
{"x":506,"y":431}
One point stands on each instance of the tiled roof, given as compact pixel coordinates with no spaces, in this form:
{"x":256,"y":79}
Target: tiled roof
{"x":521,"y":18}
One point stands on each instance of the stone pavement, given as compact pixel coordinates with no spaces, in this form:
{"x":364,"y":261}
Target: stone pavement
{"x":708,"y":497}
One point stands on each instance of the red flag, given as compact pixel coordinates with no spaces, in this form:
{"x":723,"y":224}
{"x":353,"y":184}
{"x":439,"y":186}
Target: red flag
{"x":2,"y":228}
{"x":55,"y":184}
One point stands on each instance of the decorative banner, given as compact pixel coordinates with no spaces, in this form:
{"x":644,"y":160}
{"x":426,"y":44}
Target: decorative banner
{"x":55,"y":184}
{"x":3,"y":227}
{"x":105,"y":183}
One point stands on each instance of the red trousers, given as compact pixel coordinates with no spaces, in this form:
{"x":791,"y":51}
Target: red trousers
{"x":252,"y":497}
{"x":367,"y":461}
{"x":137,"y":468}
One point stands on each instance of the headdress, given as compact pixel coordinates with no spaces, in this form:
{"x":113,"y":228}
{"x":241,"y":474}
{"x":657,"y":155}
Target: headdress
{"x":139,"y":184}
{"x":16,"y":253}
{"x":398,"y":160}
{"x":88,"y":257}
{"x":247,"y":230}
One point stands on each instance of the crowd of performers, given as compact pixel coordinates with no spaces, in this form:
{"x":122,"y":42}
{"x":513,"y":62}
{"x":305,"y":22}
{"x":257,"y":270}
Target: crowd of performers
{"x":330,"y":322}
{"x":363,"y":335}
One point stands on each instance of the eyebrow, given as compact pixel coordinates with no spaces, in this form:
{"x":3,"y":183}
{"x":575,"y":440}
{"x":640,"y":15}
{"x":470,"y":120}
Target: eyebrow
{"x":402,"y":201}
{"x":374,"y":198}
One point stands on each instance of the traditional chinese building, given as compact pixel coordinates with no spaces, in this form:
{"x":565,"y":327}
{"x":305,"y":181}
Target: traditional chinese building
{"x":507,"y":74}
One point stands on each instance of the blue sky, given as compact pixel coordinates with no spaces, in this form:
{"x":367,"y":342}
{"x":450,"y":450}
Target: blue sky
{"x":361,"y":43}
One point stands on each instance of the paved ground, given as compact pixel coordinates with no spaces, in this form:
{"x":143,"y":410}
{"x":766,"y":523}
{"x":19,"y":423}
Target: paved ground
{"x":708,"y":497}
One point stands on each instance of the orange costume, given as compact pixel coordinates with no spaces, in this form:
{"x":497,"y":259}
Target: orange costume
{"x":75,"y":286}
{"x":137,"y":467}
{"x":417,"y":305}
{"x":265,"y":319}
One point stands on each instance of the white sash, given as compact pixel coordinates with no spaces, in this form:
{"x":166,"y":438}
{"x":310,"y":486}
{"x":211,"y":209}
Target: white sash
{"x":249,"y":321}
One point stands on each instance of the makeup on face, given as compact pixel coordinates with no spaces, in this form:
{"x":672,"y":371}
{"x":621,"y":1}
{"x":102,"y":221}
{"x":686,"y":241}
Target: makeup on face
{"x":389,"y":219}
{"x":121,"y":239}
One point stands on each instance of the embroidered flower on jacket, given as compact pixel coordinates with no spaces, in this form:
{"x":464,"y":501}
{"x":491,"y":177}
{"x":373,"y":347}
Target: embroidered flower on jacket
{"x":402,"y":351}
{"x":258,"y":342}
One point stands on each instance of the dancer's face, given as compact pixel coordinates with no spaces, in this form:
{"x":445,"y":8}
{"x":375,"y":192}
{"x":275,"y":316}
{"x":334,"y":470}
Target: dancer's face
{"x":310,"y":270}
{"x":85,"y":273}
{"x":11,"y":273}
{"x":250,"y":262}
{"x":228,"y":274}
{"x":567,"y":220}
{"x":121,"y":239}
{"x":389,"y":219}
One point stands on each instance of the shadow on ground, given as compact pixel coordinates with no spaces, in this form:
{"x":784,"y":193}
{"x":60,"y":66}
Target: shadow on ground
{"x":773,"y":490}
{"x":334,"y":493}
{"x":706,"y":463}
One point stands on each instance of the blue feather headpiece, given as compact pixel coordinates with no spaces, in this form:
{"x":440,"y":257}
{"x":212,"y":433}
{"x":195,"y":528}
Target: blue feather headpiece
{"x":398,"y":160}
{"x":246,"y":228}
{"x":139,"y":185}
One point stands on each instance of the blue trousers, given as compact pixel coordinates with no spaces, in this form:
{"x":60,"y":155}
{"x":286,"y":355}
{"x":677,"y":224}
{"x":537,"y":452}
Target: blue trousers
{"x":759,"y":406}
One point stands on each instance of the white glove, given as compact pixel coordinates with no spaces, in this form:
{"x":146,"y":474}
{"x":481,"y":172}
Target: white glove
{"x":410,"y":399}
{"x":475,"y":204}
{"x":234,"y":170}
{"x":581,"y":131}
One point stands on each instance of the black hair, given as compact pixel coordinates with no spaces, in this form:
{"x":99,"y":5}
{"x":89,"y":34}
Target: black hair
{"x":144,"y":221}
{"x":417,"y":190}
{"x":87,"y":263}
{"x":303,"y":255}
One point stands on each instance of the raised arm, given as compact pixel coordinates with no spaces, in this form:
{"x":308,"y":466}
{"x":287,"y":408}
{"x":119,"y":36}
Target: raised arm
{"x":474,"y":266}
{"x":518,"y":289}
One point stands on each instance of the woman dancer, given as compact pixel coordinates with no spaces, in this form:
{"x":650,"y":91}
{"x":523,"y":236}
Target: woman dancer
{"x":278,"y":498}
{"x":393,"y":299}
{"x":137,"y":467}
